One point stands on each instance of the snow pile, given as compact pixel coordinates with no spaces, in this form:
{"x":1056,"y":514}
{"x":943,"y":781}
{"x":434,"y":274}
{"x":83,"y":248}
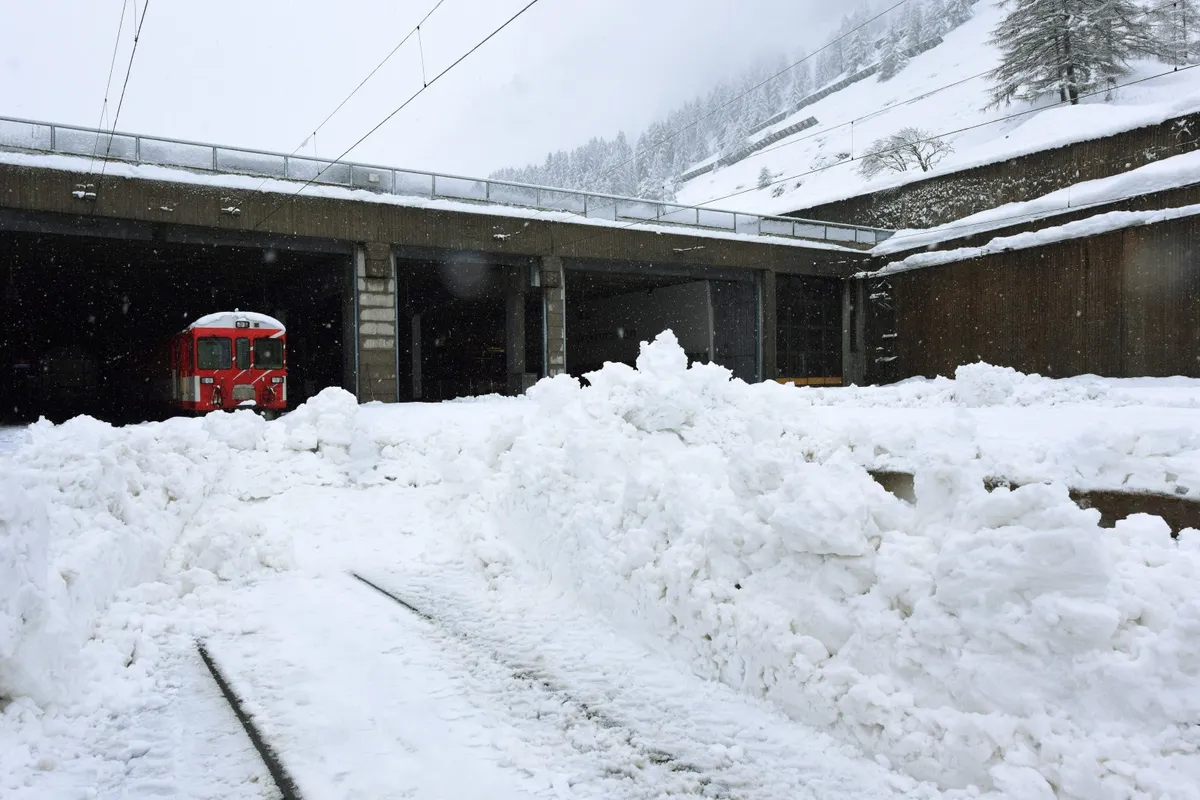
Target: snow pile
{"x":982,"y":385}
{"x":88,"y":510}
{"x":978,"y":385}
{"x":998,"y":639}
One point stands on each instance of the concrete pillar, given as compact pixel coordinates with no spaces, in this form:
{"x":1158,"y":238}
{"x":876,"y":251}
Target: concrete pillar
{"x":554,"y":304}
{"x":770,"y":320}
{"x":854,"y":361}
{"x":514,"y":328}
{"x":376,"y":285}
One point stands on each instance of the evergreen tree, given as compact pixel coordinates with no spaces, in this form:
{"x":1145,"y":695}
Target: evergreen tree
{"x":958,"y":12}
{"x":893,"y":59}
{"x":855,"y":51}
{"x":1065,"y":46}
{"x":760,"y":108}
{"x":777,"y":87}
{"x":1176,"y":29}
{"x":936,"y":19}
{"x":914,"y":24}
{"x":801,"y":82}
{"x":828,"y":67}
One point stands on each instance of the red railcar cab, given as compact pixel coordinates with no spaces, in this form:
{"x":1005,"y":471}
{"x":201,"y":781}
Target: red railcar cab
{"x":231,"y":359}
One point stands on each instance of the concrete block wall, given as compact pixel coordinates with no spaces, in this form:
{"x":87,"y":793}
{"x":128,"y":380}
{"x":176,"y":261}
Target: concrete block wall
{"x":555,"y":304}
{"x":376,"y":287}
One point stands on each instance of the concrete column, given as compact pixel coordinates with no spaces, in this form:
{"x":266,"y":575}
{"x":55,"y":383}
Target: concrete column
{"x":554,"y":303}
{"x":854,"y":362}
{"x":770,"y":320}
{"x":514,"y":328}
{"x":376,"y":324}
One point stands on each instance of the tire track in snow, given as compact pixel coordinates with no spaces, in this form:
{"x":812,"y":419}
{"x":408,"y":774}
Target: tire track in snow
{"x":654,"y":771}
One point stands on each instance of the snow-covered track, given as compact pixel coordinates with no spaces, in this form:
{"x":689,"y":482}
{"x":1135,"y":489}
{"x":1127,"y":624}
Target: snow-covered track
{"x":279,"y":774}
{"x":641,"y":762}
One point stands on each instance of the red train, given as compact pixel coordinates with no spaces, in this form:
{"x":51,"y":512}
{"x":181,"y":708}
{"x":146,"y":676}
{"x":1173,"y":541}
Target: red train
{"x":231,"y":359}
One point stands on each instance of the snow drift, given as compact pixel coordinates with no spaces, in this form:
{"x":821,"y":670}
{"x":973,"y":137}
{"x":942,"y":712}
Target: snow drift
{"x":1000,"y":639}
{"x":88,"y":510}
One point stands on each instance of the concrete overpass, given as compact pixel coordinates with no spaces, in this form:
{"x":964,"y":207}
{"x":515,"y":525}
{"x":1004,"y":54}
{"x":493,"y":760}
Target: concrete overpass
{"x":428,"y":286}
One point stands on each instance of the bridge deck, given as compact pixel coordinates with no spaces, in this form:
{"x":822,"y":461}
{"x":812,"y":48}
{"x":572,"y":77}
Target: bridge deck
{"x":284,"y":172}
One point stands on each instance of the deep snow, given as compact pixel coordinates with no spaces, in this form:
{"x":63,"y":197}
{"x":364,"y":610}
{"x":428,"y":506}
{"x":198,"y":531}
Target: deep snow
{"x":664,"y":581}
{"x":945,"y":92}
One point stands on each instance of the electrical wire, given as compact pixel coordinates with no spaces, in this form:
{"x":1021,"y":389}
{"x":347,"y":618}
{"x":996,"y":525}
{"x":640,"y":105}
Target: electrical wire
{"x":137,"y":34}
{"x":371,"y":74}
{"x":650,"y":148}
{"x":701,"y":206}
{"x":108,"y":84}
{"x":396,"y":111}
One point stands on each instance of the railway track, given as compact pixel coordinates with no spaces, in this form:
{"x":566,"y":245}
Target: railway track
{"x":432,"y":685}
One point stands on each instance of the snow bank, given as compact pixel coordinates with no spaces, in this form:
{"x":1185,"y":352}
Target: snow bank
{"x":998,"y":639}
{"x":88,"y":510}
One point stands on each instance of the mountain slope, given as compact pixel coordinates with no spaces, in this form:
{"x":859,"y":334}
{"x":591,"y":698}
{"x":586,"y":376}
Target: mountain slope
{"x":943,"y":91}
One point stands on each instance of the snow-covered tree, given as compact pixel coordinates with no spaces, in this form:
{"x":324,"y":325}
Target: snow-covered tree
{"x":801,"y":86}
{"x":906,"y":149}
{"x":1066,"y":46}
{"x":936,"y":21}
{"x":1176,"y":29}
{"x":914,"y":23}
{"x":958,"y":12}
{"x":829,"y":65}
{"x":855,"y":51}
{"x":764,"y":178}
{"x":760,"y":107}
{"x":893,"y":58}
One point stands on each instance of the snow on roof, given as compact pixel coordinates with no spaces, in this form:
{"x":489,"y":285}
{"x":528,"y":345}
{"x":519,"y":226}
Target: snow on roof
{"x":1169,"y":173}
{"x":226,"y":319}
{"x":1092,"y":226}
{"x":154,"y":172}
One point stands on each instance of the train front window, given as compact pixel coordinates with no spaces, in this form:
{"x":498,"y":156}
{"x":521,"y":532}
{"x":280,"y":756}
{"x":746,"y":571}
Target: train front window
{"x":268,"y":354}
{"x":213,"y":353}
{"x":243,"y":353}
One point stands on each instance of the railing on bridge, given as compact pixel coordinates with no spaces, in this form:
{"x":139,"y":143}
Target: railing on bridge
{"x":45,"y":137}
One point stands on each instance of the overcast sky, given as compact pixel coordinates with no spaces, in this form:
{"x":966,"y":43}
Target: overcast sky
{"x":264,"y":73}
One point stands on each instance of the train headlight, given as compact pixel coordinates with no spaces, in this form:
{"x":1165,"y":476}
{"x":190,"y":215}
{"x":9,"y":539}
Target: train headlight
{"x":206,"y":380}
{"x":277,"y":379}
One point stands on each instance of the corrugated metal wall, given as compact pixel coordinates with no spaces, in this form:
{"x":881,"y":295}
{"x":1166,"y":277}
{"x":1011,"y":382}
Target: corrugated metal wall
{"x":1120,"y":304}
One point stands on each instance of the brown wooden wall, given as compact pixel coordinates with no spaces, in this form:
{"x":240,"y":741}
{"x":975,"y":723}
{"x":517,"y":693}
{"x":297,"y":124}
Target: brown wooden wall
{"x":946,"y":196}
{"x":1120,"y":304}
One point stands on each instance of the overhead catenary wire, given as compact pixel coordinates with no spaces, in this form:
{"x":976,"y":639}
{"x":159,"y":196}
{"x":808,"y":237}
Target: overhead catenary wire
{"x":396,"y":111}
{"x":701,"y":206}
{"x":137,"y":35}
{"x":108,"y":84}
{"x":650,"y":148}
{"x":414,"y":32}
{"x":964,"y":129}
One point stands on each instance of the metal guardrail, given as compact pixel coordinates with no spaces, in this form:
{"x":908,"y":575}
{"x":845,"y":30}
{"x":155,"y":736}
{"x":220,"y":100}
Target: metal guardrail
{"x":46,"y":137}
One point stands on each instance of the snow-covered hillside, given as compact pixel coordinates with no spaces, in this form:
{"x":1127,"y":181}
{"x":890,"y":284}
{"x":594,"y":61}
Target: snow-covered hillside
{"x":665,"y":583}
{"x":943,"y":91}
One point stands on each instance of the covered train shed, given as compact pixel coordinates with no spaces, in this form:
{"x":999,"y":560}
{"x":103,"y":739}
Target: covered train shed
{"x":87,"y":316}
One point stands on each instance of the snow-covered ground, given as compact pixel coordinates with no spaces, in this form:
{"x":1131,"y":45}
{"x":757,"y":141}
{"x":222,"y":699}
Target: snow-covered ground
{"x":665,"y":584}
{"x":943,"y":91}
